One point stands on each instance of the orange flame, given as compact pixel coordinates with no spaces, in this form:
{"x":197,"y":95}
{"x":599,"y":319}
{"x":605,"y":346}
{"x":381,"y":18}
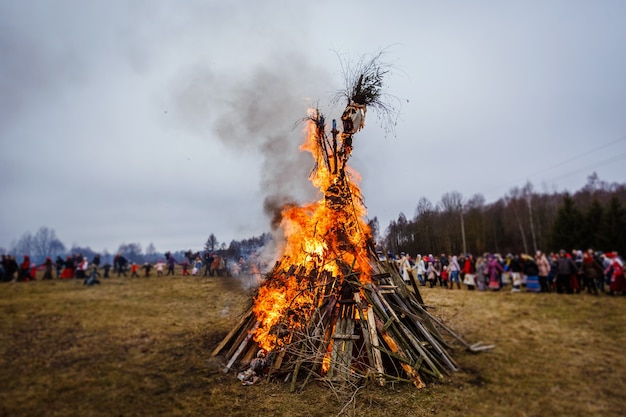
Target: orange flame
{"x":319,"y":236}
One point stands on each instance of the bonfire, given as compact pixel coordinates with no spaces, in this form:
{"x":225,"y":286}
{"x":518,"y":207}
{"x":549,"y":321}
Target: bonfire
{"x":331,"y":309}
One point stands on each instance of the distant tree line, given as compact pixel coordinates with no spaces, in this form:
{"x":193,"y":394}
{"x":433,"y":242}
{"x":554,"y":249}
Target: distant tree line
{"x":237,"y":248}
{"x":45,"y":243}
{"x":521,"y":221}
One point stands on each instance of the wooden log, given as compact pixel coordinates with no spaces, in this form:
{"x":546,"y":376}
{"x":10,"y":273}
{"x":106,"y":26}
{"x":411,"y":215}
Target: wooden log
{"x":413,"y":340}
{"x":447,"y":329}
{"x":408,"y":369}
{"x":419,"y":322}
{"x":434,"y":343}
{"x":231,"y":334}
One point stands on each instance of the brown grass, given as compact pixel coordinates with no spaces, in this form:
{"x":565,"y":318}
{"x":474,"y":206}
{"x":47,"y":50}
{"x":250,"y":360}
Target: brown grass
{"x":141,"y":347}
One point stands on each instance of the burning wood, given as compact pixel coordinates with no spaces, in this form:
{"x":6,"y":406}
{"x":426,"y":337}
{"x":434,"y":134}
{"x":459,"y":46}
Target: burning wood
{"x":330,"y":309}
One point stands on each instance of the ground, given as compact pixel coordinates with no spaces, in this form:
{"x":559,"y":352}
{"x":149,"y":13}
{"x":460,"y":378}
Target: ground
{"x":141,"y":347}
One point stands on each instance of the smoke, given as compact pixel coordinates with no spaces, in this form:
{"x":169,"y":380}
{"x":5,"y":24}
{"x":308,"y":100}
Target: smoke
{"x":257,"y":110}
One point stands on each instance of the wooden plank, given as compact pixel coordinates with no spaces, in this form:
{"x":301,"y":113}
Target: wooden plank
{"x":340,"y":327}
{"x":365,"y":328}
{"x":346,"y":337}
{"x":241,"y":347}
{"x":373,"y":336}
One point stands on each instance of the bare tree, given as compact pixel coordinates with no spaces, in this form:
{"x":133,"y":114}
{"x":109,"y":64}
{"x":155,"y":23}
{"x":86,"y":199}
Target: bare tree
{"x":131,"y":251}
{"x":46,"y":244}
{"x":513,"y":200}
{"x":527,"y":192}
{"x":474,"y":213}
{"x":425,"y":215}
{"x":452,"y":204}
{"x":452,"y":201}
{"x":150,"y":252}
{"x":24,"y":246}
{"x":424,"y":206}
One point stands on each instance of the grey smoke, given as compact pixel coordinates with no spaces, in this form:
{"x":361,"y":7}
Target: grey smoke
{"x":257,"y":111}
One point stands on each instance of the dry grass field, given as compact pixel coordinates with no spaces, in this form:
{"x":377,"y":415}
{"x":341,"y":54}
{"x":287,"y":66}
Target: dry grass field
{"x":141,"y":347}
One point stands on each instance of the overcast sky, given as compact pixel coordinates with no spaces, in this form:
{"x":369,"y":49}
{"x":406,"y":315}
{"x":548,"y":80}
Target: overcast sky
{"x":165,"y":121}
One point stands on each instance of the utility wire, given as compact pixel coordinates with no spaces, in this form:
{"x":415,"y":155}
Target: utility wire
{"x":574,"y":158}
{"x":607,"y":161}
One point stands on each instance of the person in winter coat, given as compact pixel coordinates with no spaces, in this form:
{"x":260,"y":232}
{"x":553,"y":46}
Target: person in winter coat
{"x":543,"y":266}
{"x":515,"y":268}
{"x":68,"y":270}
{"x":565,"y":268}
{"x":159,"y":268}
{"x":404,"y":266}
{"x":59,"y":263}
{"x":531,"y":271}
{"x":445,"y":276}
{"x":438,"y":268}
{"x":24,"y":273}
{"x":197,"y":265}
{"x":120,"y":263}
{"x":494,"y":269}
{"x":431,"y":274}
{"x":455,"y":269}
{"x":482,"y":281}
{"x":590,"y":270}
{"x":10,"y":268}
{"x":133,"y":270}
{"x":81,"y":268}
{"x":171,"y":262}
{"x":47,"y":274}
{"x":469,"y":272}
{"x":617,"y":283}
{"x":147,"y":267}
{"x":420,"y":269}
{"x":208,"y":261}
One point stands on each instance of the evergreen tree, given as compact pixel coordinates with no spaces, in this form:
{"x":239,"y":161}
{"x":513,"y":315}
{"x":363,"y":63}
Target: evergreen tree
{"x":566,"y":230}
{"x":211,"y":243}
{"x":614,"y":227}
{"x":592,"y":226}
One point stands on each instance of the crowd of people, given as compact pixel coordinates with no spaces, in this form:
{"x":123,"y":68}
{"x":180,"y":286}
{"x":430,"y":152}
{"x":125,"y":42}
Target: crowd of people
{"x":78,"y":266}
{"x":562,"y":272}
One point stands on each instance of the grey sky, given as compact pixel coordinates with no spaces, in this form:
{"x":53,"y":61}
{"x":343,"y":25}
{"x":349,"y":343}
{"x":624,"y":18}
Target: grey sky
{"x":164,"y":121}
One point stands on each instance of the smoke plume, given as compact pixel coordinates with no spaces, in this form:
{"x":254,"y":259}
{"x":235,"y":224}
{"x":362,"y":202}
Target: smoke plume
{"x":257,"y":110}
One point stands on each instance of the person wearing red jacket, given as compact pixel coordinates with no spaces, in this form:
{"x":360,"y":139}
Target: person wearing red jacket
{"x":24,"y":272}
{"x":469,"y":272}
{"x":618,"y":283}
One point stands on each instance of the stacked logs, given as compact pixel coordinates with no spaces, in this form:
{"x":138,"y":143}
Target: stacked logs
{"x":353,"y":332}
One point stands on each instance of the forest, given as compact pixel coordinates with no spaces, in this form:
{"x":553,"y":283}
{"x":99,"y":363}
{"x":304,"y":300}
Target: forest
{"x":523,"y":221}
